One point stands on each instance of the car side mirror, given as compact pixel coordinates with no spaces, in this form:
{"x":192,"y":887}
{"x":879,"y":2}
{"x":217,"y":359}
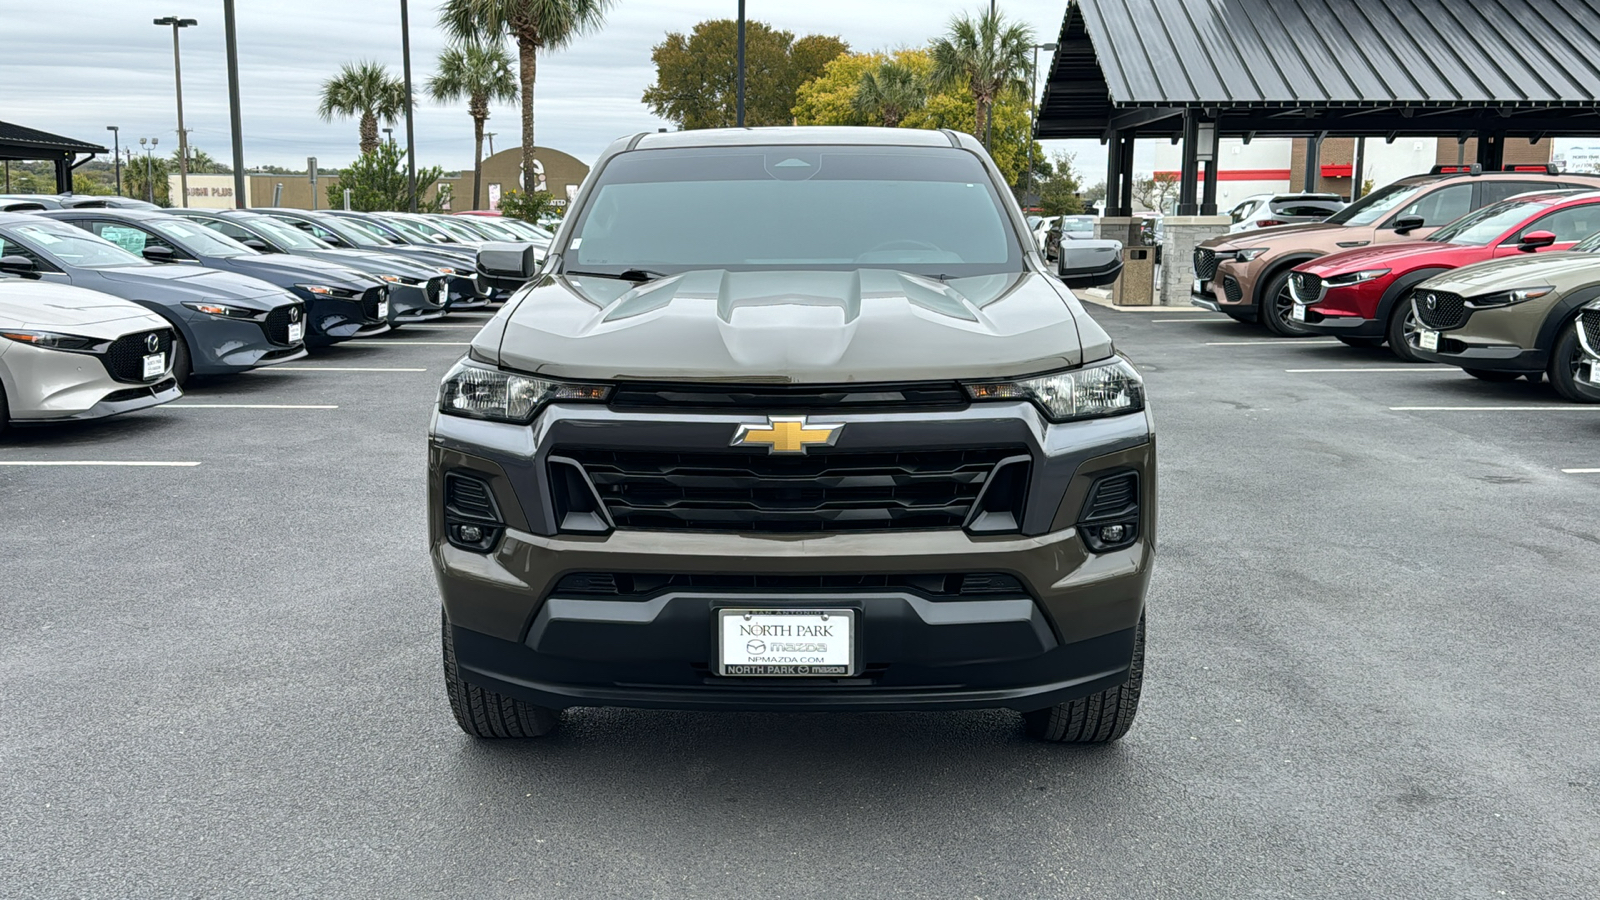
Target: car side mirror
{"x":158,"y":254}
{"x":507,"y":265}
{"x":1089,"y":264}
{"x":17,"y":264}
{"x":1533,"y":240}
{"x":257,"y":244}
{"x":1406,"y":224}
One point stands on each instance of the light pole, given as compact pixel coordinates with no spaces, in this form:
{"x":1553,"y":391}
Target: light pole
{"x":490,"y":136}
{"x":116,"y":154}
{"x":177,"y":71}
{"x":389,"y":136}
{"x":230,"y":37}
{"x":411,"y":133}
{"x":1033,"y":100}
{"x":149,"y":169}
{"x":739,"y":107}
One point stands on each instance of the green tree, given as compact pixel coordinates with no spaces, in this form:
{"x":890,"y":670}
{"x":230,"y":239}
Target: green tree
{"x":367,"y":91}
{"x":830,"y":98}
{"x":697,"y":75}
{"x":1094,"y":194}
{"x":377,"y":182}
{"x":135,"y":182}
{"x":530,"y":206}
{"x":481,"y":73}
{"x":202,"y":163}
{"x":889,"y":93}
{"x":1059,"y":192}
{"x":534,"y":25}
{"x":990,"y":56}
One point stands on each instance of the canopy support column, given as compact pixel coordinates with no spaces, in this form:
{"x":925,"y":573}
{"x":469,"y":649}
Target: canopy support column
{"x":1189,"y":175}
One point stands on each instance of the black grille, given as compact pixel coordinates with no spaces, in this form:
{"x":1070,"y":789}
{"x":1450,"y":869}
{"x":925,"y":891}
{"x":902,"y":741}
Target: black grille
{"x":1231,"y":289}
{"x":124,"y":359}
{"x":820,"y":492}
{"x":1305,"y":286}
{"x":370,"y":300}
{"x":785,"y":398}
{"x":469,"y":497}
{"x":1591,"y":328}
{"x":276,"y":325}
{"x":1205,"y":263}
{"x":1111,"y":497}
{"x":1440,"y":310}
{"x":434,"y":290}
{"x":635,"y":586}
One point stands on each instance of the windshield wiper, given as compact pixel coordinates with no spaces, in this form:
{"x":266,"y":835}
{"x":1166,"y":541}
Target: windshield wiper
{"x":637,"y":276}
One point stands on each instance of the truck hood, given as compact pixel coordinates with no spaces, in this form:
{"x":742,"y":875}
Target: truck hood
{"x":1399,"y":255}
{"x":1562,"y":270}
{"x":791,"y":327}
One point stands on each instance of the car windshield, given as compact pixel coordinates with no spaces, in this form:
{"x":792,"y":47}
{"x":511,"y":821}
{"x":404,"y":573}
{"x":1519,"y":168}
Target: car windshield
{"x":416,"y":232}
{"x":286,"y":236}
{"x":375,"y":232}
{"x":1484,"y":226}
{"x":199,"y":239}
{"x":459,"y":232}
{"x":496,"y":230}
{"x":926,"y":211}
{"x":1374,"y":206}
{"x":345,"y":230}
{"x":1590,"y":244}
{"x":70,"y":246}
{"x":1078,"y":224}
{"x":524,"y":230}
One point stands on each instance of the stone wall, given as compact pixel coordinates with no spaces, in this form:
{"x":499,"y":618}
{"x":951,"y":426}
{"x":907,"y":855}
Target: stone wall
{"x":1183,"y":233}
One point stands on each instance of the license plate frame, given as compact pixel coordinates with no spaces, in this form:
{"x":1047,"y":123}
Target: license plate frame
{"x":1428,"y":340}
{"x":155,"y":365}
{"x":383,"y":309}
{"x":735,"y":650}
{"x":297,"y":332}
{"x":1298,"y":314}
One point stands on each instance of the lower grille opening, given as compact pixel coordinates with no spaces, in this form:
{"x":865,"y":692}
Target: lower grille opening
{"x":934,"y":586}
{"x":471,"y":516}
{"x":1231,"y":289}
{"x":1111,"y":513}
{"x":139,"y":393}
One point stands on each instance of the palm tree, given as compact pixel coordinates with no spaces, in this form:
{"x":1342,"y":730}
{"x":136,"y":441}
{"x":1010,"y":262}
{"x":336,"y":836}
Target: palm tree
{"x":989,"y":55}
{"x":889,"y":93}
{"x":480,"y":72}
{"x":367,"y":90}
{"x":535,"y":25}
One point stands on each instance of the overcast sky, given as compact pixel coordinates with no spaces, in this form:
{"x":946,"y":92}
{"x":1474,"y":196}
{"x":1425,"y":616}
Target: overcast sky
{"x":74,"y":68}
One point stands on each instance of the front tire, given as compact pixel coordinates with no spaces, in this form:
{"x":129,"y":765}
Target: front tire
{"x":486,"y":714}
{"x":1402,"y":325}
{"x":1277,"y":306}
{"x":1565,"y":361}
{"x":1098,"y":718}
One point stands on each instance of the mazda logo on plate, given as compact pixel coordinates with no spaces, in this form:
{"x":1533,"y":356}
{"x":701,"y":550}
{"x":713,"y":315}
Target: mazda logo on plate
{"x":152,"y":342}
{"x":1433,"y":301}
{"x":755,"y":648}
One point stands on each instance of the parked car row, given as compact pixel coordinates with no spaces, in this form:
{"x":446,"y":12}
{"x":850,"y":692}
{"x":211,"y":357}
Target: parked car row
{"x":1493,"y":272}
{"x":159,"y":297}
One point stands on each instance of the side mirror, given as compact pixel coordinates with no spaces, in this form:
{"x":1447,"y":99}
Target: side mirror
{"x":1406,"y":224}
{"x":257,"y":244}
{"x":507,"y":265}
{"x":1533,"y":240}
{"x":1089,"y":264}
{"x":19,"y":265}
{"x":159,"y":254}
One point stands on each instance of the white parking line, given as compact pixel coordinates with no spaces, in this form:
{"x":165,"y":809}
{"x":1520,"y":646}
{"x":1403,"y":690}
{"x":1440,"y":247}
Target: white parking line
{"x":417,"y":343}
{"x":1421,"y":367}
{"x":1581,"y":471}
{"x":1289,"y":341}
{"x":431,"y":325}
{"x":1544,"y":407}
{"x":101,"y":462}
{"x":1198,"y":317}
{"x":246,"y":406}
{"x":336,"y":369}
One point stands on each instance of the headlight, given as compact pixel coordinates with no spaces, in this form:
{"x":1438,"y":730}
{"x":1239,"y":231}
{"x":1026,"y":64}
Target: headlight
{"x":1249,"y":255}
{"x":1356,"y":277}
{"x":1104,"y":389}
{"x":480,"y":392}
{"x":319,"y":289}
{"x":1507,"y":298}
{"x":389,"y":278}
{"x":218,"y":309}
{"x":52,"y":340}
{"x":447,"y":270}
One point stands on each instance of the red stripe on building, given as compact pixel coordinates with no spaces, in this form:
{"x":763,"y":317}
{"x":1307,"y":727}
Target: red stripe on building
{"x":1250,"y":174}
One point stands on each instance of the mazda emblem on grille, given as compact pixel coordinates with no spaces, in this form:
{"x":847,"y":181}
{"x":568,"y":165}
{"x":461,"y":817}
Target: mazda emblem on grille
{"x":787,"y":434}
{"x":294,"y":313}
{"x":152,"y":342}
{"x":1433,"y":301}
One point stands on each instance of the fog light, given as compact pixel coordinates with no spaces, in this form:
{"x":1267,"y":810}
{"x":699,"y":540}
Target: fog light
{"x":1113,"y":534}
{"x":473,"y":534}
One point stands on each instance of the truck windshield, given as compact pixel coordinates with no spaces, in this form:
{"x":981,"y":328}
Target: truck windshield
{"x":929,"y":211}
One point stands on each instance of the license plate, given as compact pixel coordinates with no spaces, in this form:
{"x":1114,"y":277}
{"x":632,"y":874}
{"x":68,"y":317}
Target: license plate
{"x":804,"y":643}
{"x":297,"y":332}
{"x":1428,"y":340}
{"x":1199,"y":287}
{"x":1298,"y":313}
{"x":155,"y":364}
{"x":383,"y":309}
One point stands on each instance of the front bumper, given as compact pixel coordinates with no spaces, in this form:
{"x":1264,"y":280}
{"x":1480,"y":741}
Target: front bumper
{"x":332,"y":319}
{"x":1491,"y":359}
{"x":43,"y":385}
{"x":412,"y":303}
{"x":1067,"y":632}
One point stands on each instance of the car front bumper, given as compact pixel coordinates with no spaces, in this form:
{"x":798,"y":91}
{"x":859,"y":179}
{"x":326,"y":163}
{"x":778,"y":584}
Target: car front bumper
{"x":44,"y":386}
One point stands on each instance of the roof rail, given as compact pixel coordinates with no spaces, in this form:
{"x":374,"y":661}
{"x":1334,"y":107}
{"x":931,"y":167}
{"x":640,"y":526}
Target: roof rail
{"x":1463,"y":169}
{"x":1541,"y":168}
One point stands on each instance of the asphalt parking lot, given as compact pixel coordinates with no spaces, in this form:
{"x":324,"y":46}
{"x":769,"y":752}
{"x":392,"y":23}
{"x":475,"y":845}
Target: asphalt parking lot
{"x":1372,"y":669}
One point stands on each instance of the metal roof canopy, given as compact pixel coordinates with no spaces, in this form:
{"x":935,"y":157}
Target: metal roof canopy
{"x":20,"y":143}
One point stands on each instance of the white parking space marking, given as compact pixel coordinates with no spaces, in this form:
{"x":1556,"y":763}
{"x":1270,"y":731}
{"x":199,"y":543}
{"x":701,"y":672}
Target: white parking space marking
{"x":138,"y":463}
{"x":337,"y":369}
{"x":246,"y":406}
{"x":1581,"y":471}
{"x":431,"y":325}
{"x":1550,"y":407}
{"x":420,"y":343}
{"x":1286,"y":341}
{"x":1424,"y":367}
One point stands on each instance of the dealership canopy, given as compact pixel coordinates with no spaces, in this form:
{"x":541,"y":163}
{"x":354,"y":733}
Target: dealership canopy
{"x":19,"y":143}
{"x":1494,"y":69}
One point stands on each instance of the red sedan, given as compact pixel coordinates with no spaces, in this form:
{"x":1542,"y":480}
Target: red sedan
{"x":1363,"y":297}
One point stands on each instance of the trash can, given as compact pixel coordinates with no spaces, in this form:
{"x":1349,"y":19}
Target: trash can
{"x":1137,"y":285}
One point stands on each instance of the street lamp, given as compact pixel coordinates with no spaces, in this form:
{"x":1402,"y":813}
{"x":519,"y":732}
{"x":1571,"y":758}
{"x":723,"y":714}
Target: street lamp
{"x":1033,"y":99}
{"x":149,"y":177}
{"x":411,"y":125}
{"x":116,"y":154}
{"x":490,"y":136}
{"x":177,"y":71}
{"x":739,"y":109}
{"x":389,"y":136}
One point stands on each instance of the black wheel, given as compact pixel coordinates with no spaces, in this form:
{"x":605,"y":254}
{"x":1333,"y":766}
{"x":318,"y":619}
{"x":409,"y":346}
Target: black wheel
{"x":1566,"y":360}
{"x":1099,"y":718}
{"x":1277,"y":307}
{"x":1497,"y":377}
{"x":1402,"y":329}
{"x":485,"y":714}
{"x":1361,"y":341}
{"x":5,"y":412}
{"x":182,"y":369}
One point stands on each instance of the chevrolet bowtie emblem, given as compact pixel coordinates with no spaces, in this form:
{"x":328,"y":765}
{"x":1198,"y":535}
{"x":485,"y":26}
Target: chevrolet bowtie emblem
{"x":787,"y":435}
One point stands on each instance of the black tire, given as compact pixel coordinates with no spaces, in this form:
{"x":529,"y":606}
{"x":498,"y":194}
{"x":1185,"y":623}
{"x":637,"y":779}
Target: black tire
{"x":486,"y":714}
{"x":182,"y":368}
{"x":1402,"y":324}
{"x":5,"y":412}
{"x":1276,"y":306}
{"x":1367,"y":342}
{"x":1497,"y":377}
{"x":1098,"y":718}
{"x":1565,"y":360}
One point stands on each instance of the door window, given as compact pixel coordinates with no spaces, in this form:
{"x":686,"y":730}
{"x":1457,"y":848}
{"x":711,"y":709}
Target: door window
{"x":1438,"y":207}
{"x":1493,"y":190}
{"x":1568,"y":225}
{"x":132,"y":239}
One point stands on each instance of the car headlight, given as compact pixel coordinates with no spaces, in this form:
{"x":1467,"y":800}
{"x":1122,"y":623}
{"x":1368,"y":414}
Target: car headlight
{"x":322,"y":290}
{"x":1507,"y":298}
{"x":480,"y":392}
{"x":392,"y":279}
{"x":447,"y":270}
{"x":1356,"y":277}
{"x":52,"y":340}
{"x":1249,"y":255}
{"x":220,"y":309}
{"x":1109,"y":388}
